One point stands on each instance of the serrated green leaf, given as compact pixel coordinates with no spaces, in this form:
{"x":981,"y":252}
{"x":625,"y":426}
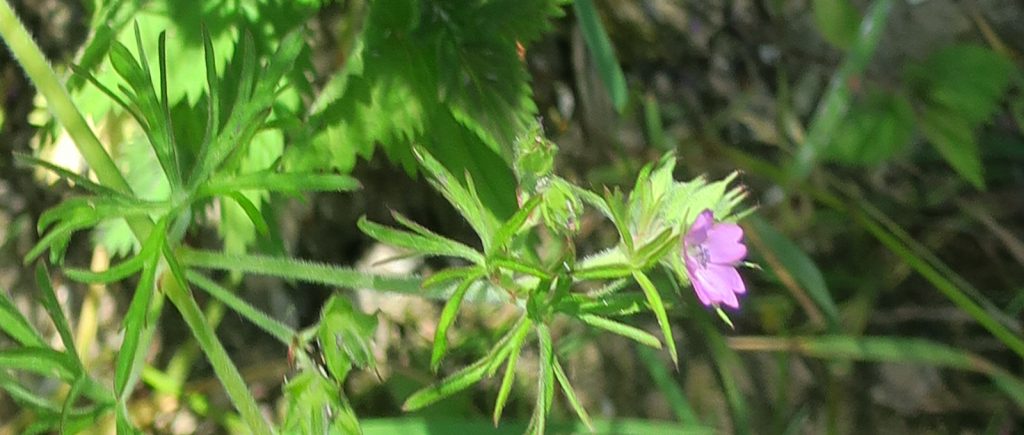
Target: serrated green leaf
{"x":463,"y":79}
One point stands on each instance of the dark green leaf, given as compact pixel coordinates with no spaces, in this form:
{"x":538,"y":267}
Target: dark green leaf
{"x":873,"y":131}
{"x":800,"y":266}
{"x":968,"y":80}
{"x":953,"y":137}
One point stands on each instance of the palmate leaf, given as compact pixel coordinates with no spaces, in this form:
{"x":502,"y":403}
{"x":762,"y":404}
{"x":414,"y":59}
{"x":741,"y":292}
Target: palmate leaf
{"x":444,"y":66}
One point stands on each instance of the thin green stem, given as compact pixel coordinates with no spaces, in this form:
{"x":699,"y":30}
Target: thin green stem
{"x":308,"y":271}
{"x":219,"y":359}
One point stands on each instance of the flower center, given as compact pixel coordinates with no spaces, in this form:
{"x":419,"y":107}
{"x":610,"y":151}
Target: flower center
{"x":700,"y":253}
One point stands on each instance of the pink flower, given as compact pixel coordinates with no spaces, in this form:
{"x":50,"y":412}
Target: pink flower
{"x":712,"y":250}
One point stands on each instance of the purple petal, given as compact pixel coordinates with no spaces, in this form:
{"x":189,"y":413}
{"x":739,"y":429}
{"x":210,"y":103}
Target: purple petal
{"x":724,"y":243}
{"x":715,"y":284}
{"x":726,"y":253}
{"x":698,"y":231}
{"x":730,"y":275}
{"x":725,"y":232}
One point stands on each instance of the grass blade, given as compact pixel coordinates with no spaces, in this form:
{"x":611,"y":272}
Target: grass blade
{"x":836,"y":102}
{"x":674,"y":394}
{"x":886,"y":349}
{"x":604,"y":55}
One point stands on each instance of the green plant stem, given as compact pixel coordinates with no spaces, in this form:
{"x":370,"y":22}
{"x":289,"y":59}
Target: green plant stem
{"x":42,"y":75}
{"x":219,"y":359}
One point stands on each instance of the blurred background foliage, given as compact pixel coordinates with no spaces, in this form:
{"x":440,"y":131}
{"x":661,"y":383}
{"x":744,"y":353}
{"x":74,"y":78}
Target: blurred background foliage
{"x":881,"y":143}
